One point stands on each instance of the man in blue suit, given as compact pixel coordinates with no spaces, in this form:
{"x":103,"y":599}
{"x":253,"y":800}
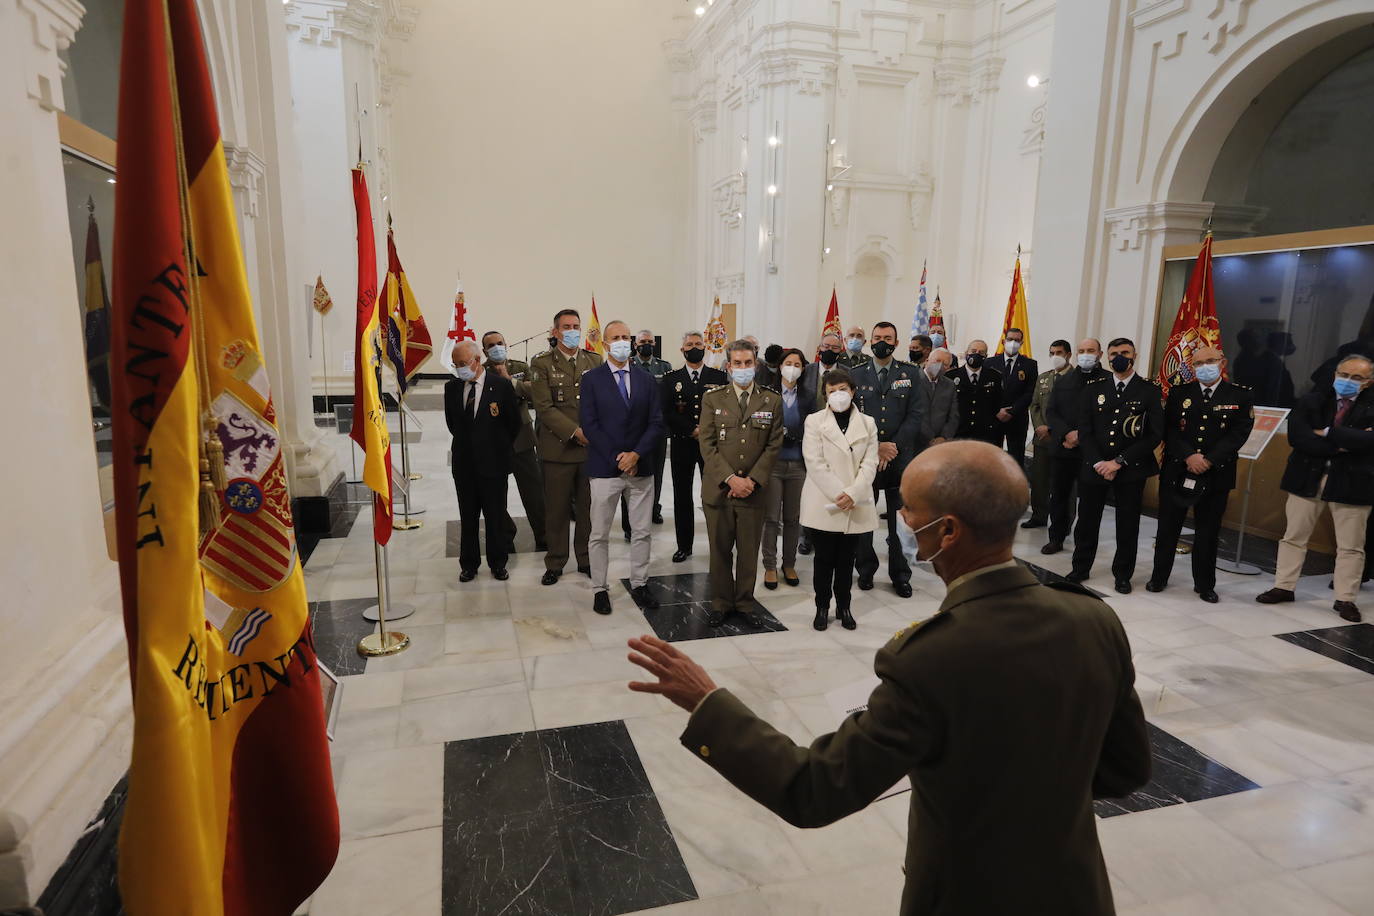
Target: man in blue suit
{"x":622,"y":417}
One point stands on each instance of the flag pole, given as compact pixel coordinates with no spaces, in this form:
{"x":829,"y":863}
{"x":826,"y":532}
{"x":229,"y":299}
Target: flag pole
{"x":383,"y":642}
{"x":324,"y":361}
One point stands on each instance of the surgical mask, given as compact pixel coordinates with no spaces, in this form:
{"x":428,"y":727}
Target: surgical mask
{"x":1207,"y":373}
{"x":1121,"y":362}
{"x":1011,"y":347}
{"x":854,"y":344}
{"x":974,"y":360}
{"x":937,"y":340}
{"x":1057,"y":362}
{"x":839,"y":401}
{"x":694,"y":355}
{"x":497,"y":353}
{"x":915,"y":355}
{"x":742,"y":377}
{"x":1087,"y":361}
{"x":791,"y":374}
{"x":572,"y":339}
{"x":915,"y":548}
{"x":645,"y":351}
{"x":829,"y":357}
{"x":621,"y":350}
{"x":466,"y":373}
{"x":934,"y":368}
{"x":882,"y":349}
{"x":1346,"y":387}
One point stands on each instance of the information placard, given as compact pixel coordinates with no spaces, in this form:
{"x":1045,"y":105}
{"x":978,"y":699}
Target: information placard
{"x":1267,"y":420}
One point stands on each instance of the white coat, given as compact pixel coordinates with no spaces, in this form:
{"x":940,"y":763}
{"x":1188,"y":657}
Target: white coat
{"x":839,"y":462}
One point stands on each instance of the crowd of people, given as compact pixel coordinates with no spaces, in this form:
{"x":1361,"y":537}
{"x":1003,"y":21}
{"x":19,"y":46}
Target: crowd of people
{"x":806,"y":456}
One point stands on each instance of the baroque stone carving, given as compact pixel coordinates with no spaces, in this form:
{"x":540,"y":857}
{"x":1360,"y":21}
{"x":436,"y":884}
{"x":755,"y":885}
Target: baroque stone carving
{"x":53,"y":25}
{"x":246,"y":170}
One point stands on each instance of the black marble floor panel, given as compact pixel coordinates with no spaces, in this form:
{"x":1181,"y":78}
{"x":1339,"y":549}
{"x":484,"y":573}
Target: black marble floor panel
{"x":87,"y":882}
{"x":685,"y":603}
{"x":560,"y":820}
{"x":1352,"y":645}
{"x":453,"y":534}
{"x":1048,"y":577}
{"x":1182,"y":773}
{"x":338,"y":627}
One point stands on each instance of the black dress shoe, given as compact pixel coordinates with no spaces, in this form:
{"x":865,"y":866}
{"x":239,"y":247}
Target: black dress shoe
{"x":771,"y":585}
{"x":1034,"y":523}
{"x":601,"y":602}
{"x":1077,"y":578}
{"x":550,"y":578}
{"x":1208,"y":595}
{"x":846,"y":619}
{"x":792,"y":580}
{"x":585,"y":570}
{"x":715,"y":618}
{"x":643,"y":597}
{"x":822,"y":618}
{"x":804,"y":548}
{"x":866,"y":583}
{"x":1276,"y":596}
{"x":903,"y":589}
{"x":500,"y":574}
{"x":1123,"y":586}
{"x":467,"y":575}
{"x":681,"y":555}
{"x":1154,"y":586}
{"x":1348,"y":611}
{"x":1052,"y":547}
{"x":658,"y":516}
{"x":754,"y":619}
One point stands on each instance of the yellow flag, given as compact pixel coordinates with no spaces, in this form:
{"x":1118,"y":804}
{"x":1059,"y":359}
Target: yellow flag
{"x":1017,"y":316}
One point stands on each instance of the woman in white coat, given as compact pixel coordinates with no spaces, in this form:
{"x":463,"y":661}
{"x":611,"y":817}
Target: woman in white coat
{"x":840,"y":447}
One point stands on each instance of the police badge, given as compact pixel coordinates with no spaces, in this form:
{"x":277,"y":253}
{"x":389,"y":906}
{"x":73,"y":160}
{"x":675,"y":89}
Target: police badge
{"x":1101,"y":399}
{"x":495,"y":409}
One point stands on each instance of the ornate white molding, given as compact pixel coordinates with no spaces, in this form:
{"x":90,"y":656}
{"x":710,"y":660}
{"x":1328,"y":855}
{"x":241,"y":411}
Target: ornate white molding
{"x":1227,"y":18}
{"x":1128,"y":227}
{"x":984,"y":76}
{"x":246,"y":171}
{"x":728,"y":194}
{"x":839,"y":206}
{"x":52,"y":26}
{"x":876,"y":246}
{"x":324,"y":21}
{"x":1148,"y":12}
{"x":730,"y":288}
{"x":1033,"y":134}
{"x":810,"y":72}
{"x":952,"y":81}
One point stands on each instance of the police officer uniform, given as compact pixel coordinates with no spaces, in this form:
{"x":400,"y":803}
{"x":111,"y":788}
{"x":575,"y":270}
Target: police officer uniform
{"x":1041,"y":451}
{"x":555,"y":388}
{"x":1063,"y":413}
{"x":890,"y":396}
{"x":528,"y":479}
{"x":1122,"y":422}
{"x":739,"y":437}
{"x":1214,"y":423}
{"x":979,"y":402}
{"x":1018,"y":387}
{"x":658,"y":368}
{"x":682,"y":392}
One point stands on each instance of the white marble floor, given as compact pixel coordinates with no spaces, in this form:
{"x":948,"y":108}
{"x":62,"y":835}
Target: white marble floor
{"x":491,"y":658}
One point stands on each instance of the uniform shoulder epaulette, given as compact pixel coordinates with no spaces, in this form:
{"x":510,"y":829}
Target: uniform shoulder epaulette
{"x":1243,"y":387}
{"x":906,"y":634}
{"x":771,"y":388}
{"x":1064,"y":585}
{"x":715,"y":388}
{"x":1094,"y":381}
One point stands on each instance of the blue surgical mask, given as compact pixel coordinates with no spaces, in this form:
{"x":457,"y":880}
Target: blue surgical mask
{"x":853,"y":345}
{"x":1346,"y":387}
{"x":1087,"y":361}
{"x":907,"y":538}
{"x":621,"y":350}
{"x":742,"y":377}
{"x":497,"y":353}
{"x":1207,"y":373}
{"x":466,"y":373}
{"x":937,"y":341}
{"x":572,"y":339}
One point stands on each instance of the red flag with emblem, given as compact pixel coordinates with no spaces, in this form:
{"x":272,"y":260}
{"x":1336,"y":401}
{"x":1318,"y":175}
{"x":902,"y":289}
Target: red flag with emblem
{"x":1196,"y":325}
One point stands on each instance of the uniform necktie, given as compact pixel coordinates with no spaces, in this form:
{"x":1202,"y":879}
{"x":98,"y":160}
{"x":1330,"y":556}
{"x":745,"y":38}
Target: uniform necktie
{"x":694,"y":376}
{"x":1206,"y":395}
{"x":744,"y":404}
{"x":624,"y":385}
{"x":973,"y":378}
{"x":1120,"y":389}
{"x":1342,"y":408}
{"x":882,"y":376}
{"x":470,"y":406}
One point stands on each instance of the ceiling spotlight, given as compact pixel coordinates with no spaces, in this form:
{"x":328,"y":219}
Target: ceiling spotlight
{"x":772,"y":189}
{"x":739,"y":214}
{"x":1035,"y":81}
{"x":832,"y":141}
{"x":701,"y":11}
{"x":773,"y":141}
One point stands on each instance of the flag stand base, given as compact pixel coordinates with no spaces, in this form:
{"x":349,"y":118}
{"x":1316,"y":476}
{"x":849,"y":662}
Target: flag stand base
{"x":384,"y":641}
{"x":417,"y":476}
{"x":393,"y":612}
{"x":1238,"y":568}
{"x":378,"y":644}
{"x":408,"y":525}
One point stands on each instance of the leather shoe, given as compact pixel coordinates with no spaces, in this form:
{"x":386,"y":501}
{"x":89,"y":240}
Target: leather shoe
{"x":643,"y":597}
{"x":865,"y":583}
{"x":550,"y":578}
{"x":789,"y":575}
{"x":1154,"y":586}
{"x":681,"y":555}
{"x":804,"y":548}
{"x":585,"y":570}
{"x":715,"y":618}
{"x":903,"y":589}
{"x":500,"y":574}
{"x":1077,"y":578}
{"x":822,"y":618}
{"x":1209,"y":596}
{"x":770,"y":579}
{"x":754,"y":619}
{"x":467,"y":575}
{"x":1052,"y":547}
{"x":1123,"y":586}
{"x":846,"y":619}
{"x":1034,"y":523}
{"x":658,"y":516}
{"x":1276,"y":596}
{"x":601,"y":603}
{"x":1348,"y":611}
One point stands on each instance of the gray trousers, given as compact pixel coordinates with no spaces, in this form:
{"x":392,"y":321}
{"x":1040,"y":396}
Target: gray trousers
{"x":639,"y":500}
{"x":783,"y":499}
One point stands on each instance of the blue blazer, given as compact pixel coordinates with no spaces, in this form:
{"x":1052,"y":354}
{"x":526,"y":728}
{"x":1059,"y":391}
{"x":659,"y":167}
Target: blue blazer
{"x":612,"y":426}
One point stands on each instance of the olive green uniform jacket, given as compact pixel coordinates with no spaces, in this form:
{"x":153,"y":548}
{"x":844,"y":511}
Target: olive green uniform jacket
{"x":555,"y":388}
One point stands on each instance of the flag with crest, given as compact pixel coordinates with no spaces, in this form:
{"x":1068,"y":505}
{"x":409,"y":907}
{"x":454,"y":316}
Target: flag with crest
{"x":1196,"y":325}
{"x":920,"y":320}
{"x":369,"y":413}
{"x":714,"y":335}
{"x":408,"y":344}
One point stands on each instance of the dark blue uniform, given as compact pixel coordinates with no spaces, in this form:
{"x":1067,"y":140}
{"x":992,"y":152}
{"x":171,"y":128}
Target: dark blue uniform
{"x":1018,"y":387}
{"x":891,"y":398}
{"x":682,"y":413}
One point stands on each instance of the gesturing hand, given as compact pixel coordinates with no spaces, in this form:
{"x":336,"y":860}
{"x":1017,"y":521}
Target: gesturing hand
{"x":679,"y":678}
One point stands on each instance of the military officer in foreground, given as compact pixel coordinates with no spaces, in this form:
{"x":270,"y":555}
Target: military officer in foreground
{"x":980,"y":395}
{"x":979,"y":684}
{"x":1042,"y":455}
{"x":740,"y":436}
{"x":528,"y":479}
{"x":682,"y":392}
{"x":1206,"y":422}
{"x":555,"y":389}
{"x":885,"y":389}
{"x":1122,"y":422}
{"x":644,"y":358}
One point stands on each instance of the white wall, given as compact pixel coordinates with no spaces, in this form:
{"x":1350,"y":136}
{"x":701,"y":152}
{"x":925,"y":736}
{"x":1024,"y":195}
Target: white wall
{"x":535,"y":148}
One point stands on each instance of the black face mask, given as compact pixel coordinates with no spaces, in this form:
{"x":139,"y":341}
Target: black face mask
{"x":882,"y":349}
{"x":974,"y":360}
{"x":829,"y":357}
{"x":1121,"y":362}
{"x":916,"y":355}
{"x":645,"y":350}
{"x":694,"y":355}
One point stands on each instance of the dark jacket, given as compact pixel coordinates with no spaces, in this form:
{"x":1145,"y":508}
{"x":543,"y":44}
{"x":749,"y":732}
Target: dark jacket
{"x":1003,"y":776}
{"x":978,"y":404}
{"x":484,"y":444}
{"x":806,"y":406}
{"x":1345,"y":455}
{"x":612,"y":426}
{"x":894,"y":406}
{"x":1018,"y":385}
{"x":939,"y":409}
{"x":1124,"y":428}
{"x":1064,"y":409}
{"x":682,"y":397}
{"x":1216,"y":430}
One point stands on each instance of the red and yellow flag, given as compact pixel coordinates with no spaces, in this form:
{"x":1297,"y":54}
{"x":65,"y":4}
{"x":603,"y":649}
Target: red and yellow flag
{"x":231,"y":807}
{"x":408,"y":343}
{"x":1016,"y":315}
{"x":97,"y":315}
{"x":831,"y":325}
{"x":1196,"y":325}
{"x":369,"y":413}
{"x":591,"y":336}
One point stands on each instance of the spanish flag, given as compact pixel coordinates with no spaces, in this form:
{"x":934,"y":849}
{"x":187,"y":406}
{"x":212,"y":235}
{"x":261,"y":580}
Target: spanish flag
{"x":231,"y":806}
{"x":591,"y":338}
{"x":369,"y":413}
{"x":1016,"y":316}
{"x":408,"y":344}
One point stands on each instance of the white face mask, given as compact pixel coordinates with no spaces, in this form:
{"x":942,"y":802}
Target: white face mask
{"x":915,"y":548}
{"x":621,"y":350}
{"x":1087,"y":361}
{"x":1011,"y":347}
{"x":791,"y":373}
{"x":1058,"y":362}
{"x":839,"y":401}
{"x":934,"y":368}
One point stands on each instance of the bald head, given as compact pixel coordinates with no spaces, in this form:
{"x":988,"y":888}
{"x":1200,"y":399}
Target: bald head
{"x":1090,"y":345}
{"x":976,"y":483}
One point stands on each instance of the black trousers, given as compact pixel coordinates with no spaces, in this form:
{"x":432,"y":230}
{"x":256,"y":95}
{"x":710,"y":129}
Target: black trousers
{"x":1092,"y":499}
{"x":659,"y":455}
{"x":866,"y":558}
{"x":1207,"y":527}
{"x":1013,"y":438}
{"x":529,"y":480}
{"x":481,"y":497}
{"x":686,"y":462}
{"x":833,"y":566}
{"x":1064,"y":474}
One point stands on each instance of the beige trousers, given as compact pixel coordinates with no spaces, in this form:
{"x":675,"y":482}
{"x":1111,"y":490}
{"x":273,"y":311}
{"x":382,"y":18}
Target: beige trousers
{"x":1349,"y":522}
